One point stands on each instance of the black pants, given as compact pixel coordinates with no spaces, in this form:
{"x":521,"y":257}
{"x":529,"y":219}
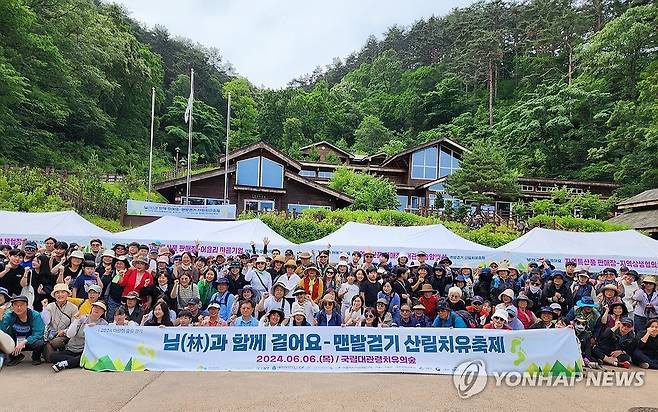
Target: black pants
{"x":600,"y":354}
{"x":36,"y":348}
{"x":72,"y":358}
{"x":640,"y":357}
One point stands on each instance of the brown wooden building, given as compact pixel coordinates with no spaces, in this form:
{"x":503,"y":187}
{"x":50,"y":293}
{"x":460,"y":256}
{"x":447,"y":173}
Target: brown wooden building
{"x":263,"y":178}
{"x":640,"y":212}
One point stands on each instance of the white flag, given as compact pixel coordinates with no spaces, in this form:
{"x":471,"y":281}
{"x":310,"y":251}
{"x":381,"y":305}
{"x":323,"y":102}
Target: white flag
{"x":188,"y":109}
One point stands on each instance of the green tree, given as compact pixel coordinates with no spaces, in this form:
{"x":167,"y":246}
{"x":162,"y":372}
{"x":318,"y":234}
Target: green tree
{"x":371,"y":135}
{"x":244,"y":113}
{"x":484,"y":175}
{"x":369,"y":192}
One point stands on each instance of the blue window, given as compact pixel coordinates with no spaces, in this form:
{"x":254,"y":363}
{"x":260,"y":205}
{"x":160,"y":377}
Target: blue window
{"x":259,"y":171}
{"x":440,"y":188}
{"x":325,"y":175}
{"x":271,"y":174}
{"x":403,"y":202}
{"x":307,"y":173}
{"x":297,"y":208}
{"x":247,"y":172}
{"x":448,"y":162}
{"x":424,"y":164}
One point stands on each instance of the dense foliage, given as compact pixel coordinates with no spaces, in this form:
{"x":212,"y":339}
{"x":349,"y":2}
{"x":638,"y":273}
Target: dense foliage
{"x":369,"y":192}
{"x":565,"y":88}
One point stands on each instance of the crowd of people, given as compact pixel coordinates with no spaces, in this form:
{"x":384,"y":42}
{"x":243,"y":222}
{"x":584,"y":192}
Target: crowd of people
{"x":50,"y":294}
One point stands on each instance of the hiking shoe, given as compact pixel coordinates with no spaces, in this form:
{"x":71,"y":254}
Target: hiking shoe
{"x":60,"y":365}
{"x":624,"y":364}
{"x":15,"y":360}
{"x":37,"y":362}
{"x":644,"y":365}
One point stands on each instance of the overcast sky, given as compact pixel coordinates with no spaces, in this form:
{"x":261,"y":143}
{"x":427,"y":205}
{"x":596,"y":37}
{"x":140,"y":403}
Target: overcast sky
{"x":273,"y":41}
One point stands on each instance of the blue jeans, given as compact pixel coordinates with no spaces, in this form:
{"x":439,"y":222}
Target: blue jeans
{"x":640,"y":323}
{"x":112,"y":305}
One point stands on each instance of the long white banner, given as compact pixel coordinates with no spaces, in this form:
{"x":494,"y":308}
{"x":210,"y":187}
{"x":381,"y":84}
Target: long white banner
{"x":218,"y":212}
{"x":329,"y":349}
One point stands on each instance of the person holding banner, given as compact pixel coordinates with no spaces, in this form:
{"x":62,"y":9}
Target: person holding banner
{"x":274,"y":317}
{"x":298,"y":317}
{"x":70,"y":357}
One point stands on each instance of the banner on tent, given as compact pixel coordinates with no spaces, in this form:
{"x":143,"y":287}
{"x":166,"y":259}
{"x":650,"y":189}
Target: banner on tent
{"x":215,"y":212}
{"x":328,"y":349}
{"x":595,"y":264}
{"x":432,"y":256}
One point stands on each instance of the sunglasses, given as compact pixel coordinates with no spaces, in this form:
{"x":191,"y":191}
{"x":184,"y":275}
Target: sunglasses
{"x":370,"y":316}
{"x":30,"y":249}
{"x":497,"y":318}
{"x":535,"y":284}
{"x":581,"y":323}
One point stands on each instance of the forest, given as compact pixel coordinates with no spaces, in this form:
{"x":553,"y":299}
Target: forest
{"x":565,"y":88}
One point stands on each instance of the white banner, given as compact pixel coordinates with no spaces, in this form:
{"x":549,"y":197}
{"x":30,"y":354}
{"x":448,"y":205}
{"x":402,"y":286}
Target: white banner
{"x":329,"y":349}
{"x":217,"y":212}
{"x":644,"y":265}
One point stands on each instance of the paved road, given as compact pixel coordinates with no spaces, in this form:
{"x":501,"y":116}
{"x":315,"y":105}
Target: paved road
{"x":39,"y":388}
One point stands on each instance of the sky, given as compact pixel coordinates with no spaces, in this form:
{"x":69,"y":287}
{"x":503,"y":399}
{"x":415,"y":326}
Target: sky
{"x":271,"y":42}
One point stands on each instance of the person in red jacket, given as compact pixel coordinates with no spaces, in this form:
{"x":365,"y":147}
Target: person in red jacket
{"x":429,"y":300}
{"x":137,"y":277}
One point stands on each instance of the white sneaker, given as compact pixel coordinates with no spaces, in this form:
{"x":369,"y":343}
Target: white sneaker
{"x":644,"y":365}
{"x":60,"y":365}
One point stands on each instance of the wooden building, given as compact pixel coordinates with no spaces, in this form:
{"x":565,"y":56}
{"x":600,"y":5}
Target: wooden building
{"x":640,"y":212}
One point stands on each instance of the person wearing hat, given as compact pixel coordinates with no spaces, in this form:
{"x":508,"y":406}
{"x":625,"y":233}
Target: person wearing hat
{"x":629,"y":281}
{"x":137,"y":277}
{"x":132,"y":307}
{"x":546,"y":319}
{"x":482,"y":285}
{"x":194,"y":307}
{"x":274,"y":317}
{"x":418,"y":318}
{"x":105,"y":266}
{"x":646,"y":303}
{"x":57,"y":317}
{"x":608,"y":277}
{"x":557,"y":309}
{"x":384,"y":317}
{"x":87,"y":278}
{"x":26,"y":328}
{"x":276,"y":299}
{"x":258,"y":277}
{"x":512,"y":321}
{"x":223,"y":298}
{"x":298,"y":317}
{"x":586,"y":308}
{"x":70,"y":357}
{"x":113,"y":293}
{"x":523,"y":310}
{"x":277,"y":268}
{"x":499,"y":320}
{"x":501,"y":282}
{"x":322,"y":261}
{"x":465,"y":285}
{"x":368,"y":259}
{"x":312,"y":283}
{"x":440,"y":277}
{"x":582,"y":286}
{"x":506,"y":298}
{"x":429,"y":299}
{"x":184,"y":290}
{"x":304,"y":261}
{"x":303,"y":300}
{"x":645,"y":354}
{"x":84,"y":305}
{"x":69,"y":269}
{"x":446,"y":318}
{"x":403,"y":261}
{"x":328,"y":314}
{"x":607,"y":295}
{"x":290,"y":279}
{"x":478,"y":310}
{"x":445,"y":262}
{"x":120,"y":250}
{"x":615,"y":344}
{"x":5,"y":298}
{"x":213,"y":318}
{"x":236,"y":280}
{"x":557,"y":291}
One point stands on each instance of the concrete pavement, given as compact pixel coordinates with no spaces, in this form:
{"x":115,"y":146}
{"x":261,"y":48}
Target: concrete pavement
{"x":27,"y":388}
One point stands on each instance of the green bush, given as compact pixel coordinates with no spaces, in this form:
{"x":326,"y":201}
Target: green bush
{"x":107,"y":224}
{"x":575,"y":224}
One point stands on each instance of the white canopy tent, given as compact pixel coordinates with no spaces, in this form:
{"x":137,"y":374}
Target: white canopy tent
{"x":67,"y":226}
{"x":435,"y":240}
{"x":231,"y":237}
{"x":597,"y":250}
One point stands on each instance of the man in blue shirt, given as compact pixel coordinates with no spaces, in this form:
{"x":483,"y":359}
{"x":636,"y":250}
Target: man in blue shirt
{"x":223,"y":297}
{"x":447,"y":318}
{"x":246,"y":309}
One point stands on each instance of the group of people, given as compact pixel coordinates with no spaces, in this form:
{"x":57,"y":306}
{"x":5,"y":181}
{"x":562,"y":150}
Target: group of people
{"x":50,"y":294}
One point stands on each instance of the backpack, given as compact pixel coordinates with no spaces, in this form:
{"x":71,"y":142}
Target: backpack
{"x":467,"y":318}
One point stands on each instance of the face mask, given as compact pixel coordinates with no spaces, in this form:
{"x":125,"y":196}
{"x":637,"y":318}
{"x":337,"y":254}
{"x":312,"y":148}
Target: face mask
{"x":534,"y":289}
{"x":579,"y":328}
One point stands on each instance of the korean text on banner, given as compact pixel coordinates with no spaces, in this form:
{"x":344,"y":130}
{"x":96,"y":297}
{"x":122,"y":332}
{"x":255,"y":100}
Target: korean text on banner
{"x":329,"y":349}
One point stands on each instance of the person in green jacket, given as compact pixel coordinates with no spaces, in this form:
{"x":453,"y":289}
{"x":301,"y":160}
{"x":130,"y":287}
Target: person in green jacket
{"x":26,"y":328}
{"x":205,"y":285}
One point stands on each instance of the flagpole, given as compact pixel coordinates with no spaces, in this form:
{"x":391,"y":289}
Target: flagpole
{"x":189,"y":139}
{"x":228,"y":132}
{"x":148,"y":196}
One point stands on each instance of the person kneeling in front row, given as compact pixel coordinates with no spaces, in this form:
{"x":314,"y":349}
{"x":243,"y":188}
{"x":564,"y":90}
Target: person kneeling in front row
{"x":26,"y":328}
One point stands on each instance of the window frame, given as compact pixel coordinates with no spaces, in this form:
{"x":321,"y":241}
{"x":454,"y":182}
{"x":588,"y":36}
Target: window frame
{"x":259,"y":202}
{"x":260,"y":175}
{"x":425,"y":166}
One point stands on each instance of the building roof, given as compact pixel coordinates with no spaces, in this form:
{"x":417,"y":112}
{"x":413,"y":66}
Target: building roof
{"x":432,"y":143}
{"x":646,"y":198}
{"x":641,"y":219}
{"x":265,"y":146}
{"x":320,"y":187}
{"x":333,"y":146}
